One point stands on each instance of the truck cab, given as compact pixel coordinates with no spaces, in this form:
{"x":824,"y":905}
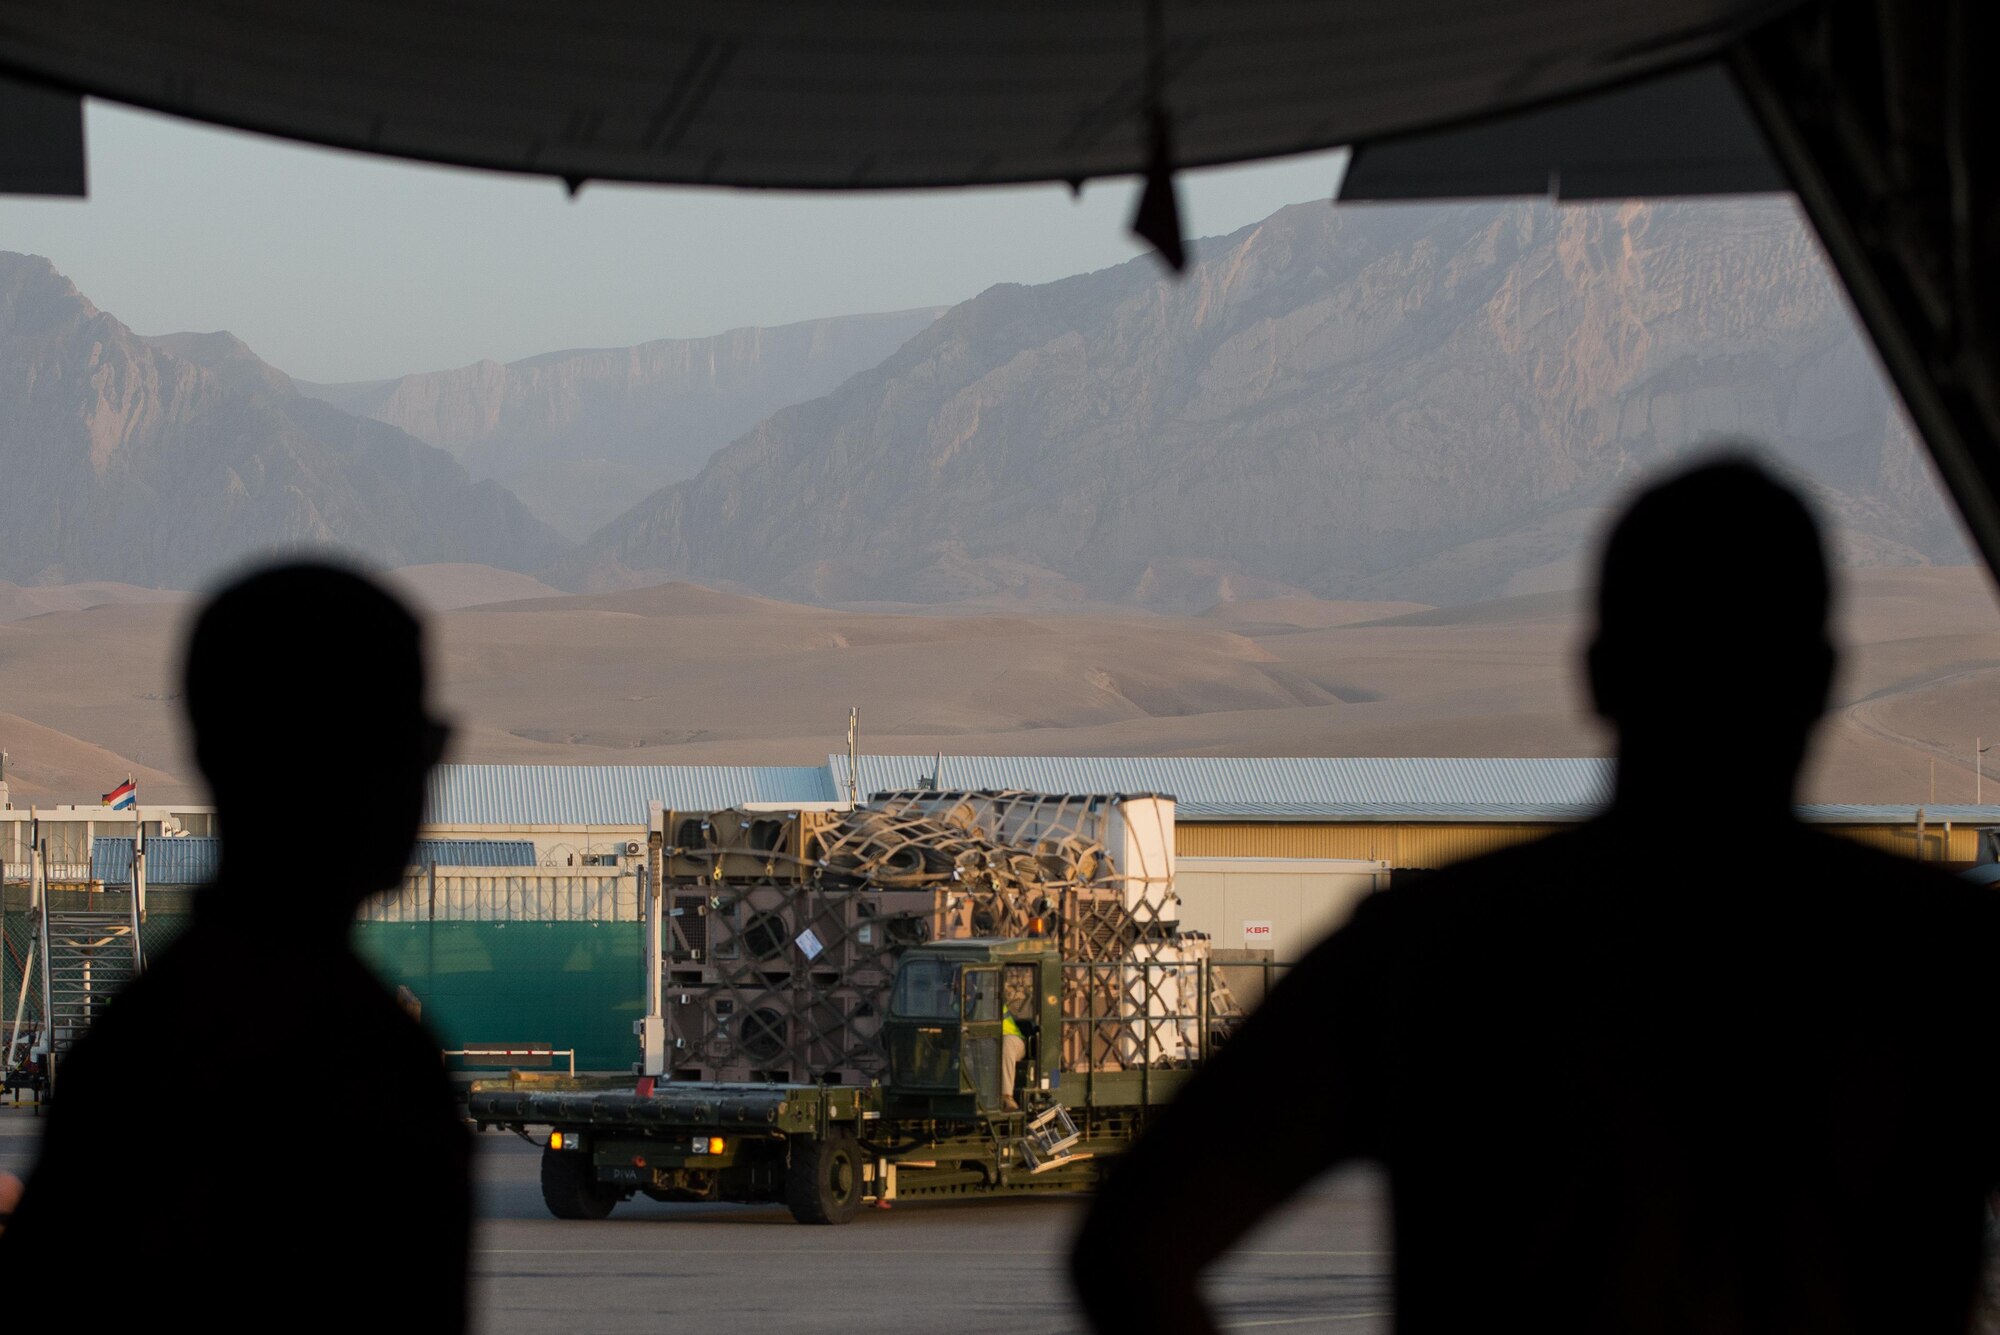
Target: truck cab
{"x":947,"y":1018}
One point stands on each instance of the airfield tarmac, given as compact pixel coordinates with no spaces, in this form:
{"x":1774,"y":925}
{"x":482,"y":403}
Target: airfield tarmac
{"x":918,"y":1268}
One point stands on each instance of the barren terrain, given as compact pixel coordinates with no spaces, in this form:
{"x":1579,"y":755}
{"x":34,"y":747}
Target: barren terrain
{"x":680,"y":673}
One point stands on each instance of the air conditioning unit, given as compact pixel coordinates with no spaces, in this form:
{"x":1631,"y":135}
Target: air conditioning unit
{"x":633,"y":848}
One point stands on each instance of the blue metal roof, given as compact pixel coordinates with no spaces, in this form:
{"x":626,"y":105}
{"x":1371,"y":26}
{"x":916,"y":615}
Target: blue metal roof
{"x":473,"y":853}
{"x":191,"y":860}
{"x":609,"y":794}
{"x":1849,"y":813}
{"x":1214,"y":788}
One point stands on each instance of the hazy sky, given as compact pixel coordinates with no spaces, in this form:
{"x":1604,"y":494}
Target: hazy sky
{"x":340,"y":266}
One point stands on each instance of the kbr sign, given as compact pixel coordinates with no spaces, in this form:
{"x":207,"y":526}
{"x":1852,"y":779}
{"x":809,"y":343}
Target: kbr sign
{"x":1257,"y":932}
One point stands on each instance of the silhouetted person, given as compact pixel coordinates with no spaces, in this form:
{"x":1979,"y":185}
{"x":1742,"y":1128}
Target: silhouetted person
{"x":1691,"y":1067}
{"x":254,"y":1135}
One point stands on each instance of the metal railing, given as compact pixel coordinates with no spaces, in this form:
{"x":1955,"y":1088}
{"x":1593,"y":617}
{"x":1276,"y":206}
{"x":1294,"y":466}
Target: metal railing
{"x":533,"y":1053}
{"x":1133,"y":1014}
{"x":20,"y":873}
{"x":510,"y":894}
{"x":1138,"y":1017}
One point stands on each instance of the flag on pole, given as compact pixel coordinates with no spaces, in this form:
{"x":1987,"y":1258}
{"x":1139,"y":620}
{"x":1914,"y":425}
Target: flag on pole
{"x":124,"y":797}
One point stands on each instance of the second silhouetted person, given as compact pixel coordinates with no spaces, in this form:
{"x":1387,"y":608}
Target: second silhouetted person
{"x":1691,"y":1067}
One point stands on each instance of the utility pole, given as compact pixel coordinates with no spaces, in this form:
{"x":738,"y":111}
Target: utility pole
{"x":1933,"y":780}
{"x":1978,"y":772}
{"x":853,"y":780}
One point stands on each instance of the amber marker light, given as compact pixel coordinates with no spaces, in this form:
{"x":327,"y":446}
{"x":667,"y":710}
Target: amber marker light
{"x":555,"y":1140}
{"x":715,"y":1144}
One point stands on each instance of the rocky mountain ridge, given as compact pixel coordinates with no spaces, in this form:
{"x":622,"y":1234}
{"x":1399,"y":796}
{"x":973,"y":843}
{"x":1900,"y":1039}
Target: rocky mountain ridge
{"x":160,"y":461}
{"x":1434,"y":403}
{"x":578,"y":434}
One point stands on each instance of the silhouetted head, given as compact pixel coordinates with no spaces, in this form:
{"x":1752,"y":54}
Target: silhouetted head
{"x":1712,"y":658}
{"x":305,"y":689}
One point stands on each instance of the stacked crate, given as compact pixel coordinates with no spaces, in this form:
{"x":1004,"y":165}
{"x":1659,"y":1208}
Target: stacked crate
{"x":773,"y":970}
{"x":783,"y":928}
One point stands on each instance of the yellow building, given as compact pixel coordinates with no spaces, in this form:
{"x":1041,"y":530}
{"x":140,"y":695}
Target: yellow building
{"x":1939,"y":834}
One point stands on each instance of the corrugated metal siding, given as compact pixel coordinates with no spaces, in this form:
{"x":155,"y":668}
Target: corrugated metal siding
{"x":608,"y":794}
{"x":184,"y":861}
{"x":473,"y":853}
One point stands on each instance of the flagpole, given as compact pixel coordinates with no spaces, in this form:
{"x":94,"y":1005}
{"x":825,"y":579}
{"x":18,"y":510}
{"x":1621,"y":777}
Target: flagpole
{"x":138,"y":878}
{"x":138,"y":852}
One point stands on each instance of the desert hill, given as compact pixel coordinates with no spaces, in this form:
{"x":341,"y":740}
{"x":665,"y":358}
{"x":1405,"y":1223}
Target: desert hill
{"x":1299,"y":612}
{"x":578,"y":434}
{"x":46,"y":768}
{"x":161,"y":461}
{"x":17,"y":601}
{"x":1419,"y":403}
{"x":679,"y":673}
{"x":446,"y":586}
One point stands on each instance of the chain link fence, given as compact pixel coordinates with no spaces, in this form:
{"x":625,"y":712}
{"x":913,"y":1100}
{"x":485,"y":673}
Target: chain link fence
{"x":168,"y":914}
{"x":574,"y":985}
{"x":527,"y":956}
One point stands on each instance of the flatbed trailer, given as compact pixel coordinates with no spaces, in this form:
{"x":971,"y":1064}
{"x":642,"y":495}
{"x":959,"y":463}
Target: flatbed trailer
{"x":942,"y":1124}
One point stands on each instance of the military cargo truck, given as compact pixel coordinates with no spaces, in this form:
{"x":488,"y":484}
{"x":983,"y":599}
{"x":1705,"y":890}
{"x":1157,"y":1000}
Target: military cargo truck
{"x":941,"y":1122}
{"x":776,"y":931}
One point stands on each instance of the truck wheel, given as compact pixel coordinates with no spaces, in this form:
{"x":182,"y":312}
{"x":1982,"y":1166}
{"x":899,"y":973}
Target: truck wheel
{"x":823,"y":1184}
{"x":570,"y":1188}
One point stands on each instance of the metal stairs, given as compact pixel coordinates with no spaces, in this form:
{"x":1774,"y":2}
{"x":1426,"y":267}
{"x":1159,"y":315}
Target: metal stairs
{"x":1050,"y":1140}
{"x":88,"y":955}
{"x":87,"y":943}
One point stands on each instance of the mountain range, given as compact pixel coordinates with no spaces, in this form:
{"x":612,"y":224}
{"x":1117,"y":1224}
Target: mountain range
{"x":1421,"y":402}
{"x":157,"y":461}
{"x":1437,"y":404}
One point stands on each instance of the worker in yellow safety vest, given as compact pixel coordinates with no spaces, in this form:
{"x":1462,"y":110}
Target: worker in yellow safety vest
{"x":1013,"y":1047}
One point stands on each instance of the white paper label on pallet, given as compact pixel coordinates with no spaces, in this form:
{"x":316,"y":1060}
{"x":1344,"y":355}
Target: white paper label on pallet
{"x":865,"y":934}
{"x":809,"y":943}
{"x":1256,"y":931}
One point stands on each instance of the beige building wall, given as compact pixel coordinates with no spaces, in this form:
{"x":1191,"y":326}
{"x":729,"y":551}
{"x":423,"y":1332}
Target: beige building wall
{"x":1400,"y":844}
{"x":1937,"y":843}
{"x":556,"y":844}
{"x":1439,"y":844}
{"x":1284,"y":905}
{"x":67,"y":832}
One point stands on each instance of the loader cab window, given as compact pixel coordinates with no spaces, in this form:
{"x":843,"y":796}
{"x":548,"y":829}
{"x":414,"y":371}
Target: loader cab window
{"x":980,"y":1038}
{"x":1018,"y":990}
{"x":926,"y":990}
{"x":982,"y":996}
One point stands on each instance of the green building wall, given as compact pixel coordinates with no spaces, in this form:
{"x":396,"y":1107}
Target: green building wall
{"x":495,"y":984}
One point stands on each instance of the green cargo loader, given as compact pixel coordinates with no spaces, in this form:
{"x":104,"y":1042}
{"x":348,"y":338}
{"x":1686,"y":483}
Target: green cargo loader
{"x":946,"y":1121}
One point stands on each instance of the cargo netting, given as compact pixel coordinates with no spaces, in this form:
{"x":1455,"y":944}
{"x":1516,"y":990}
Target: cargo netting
{"x":783,"y":928}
